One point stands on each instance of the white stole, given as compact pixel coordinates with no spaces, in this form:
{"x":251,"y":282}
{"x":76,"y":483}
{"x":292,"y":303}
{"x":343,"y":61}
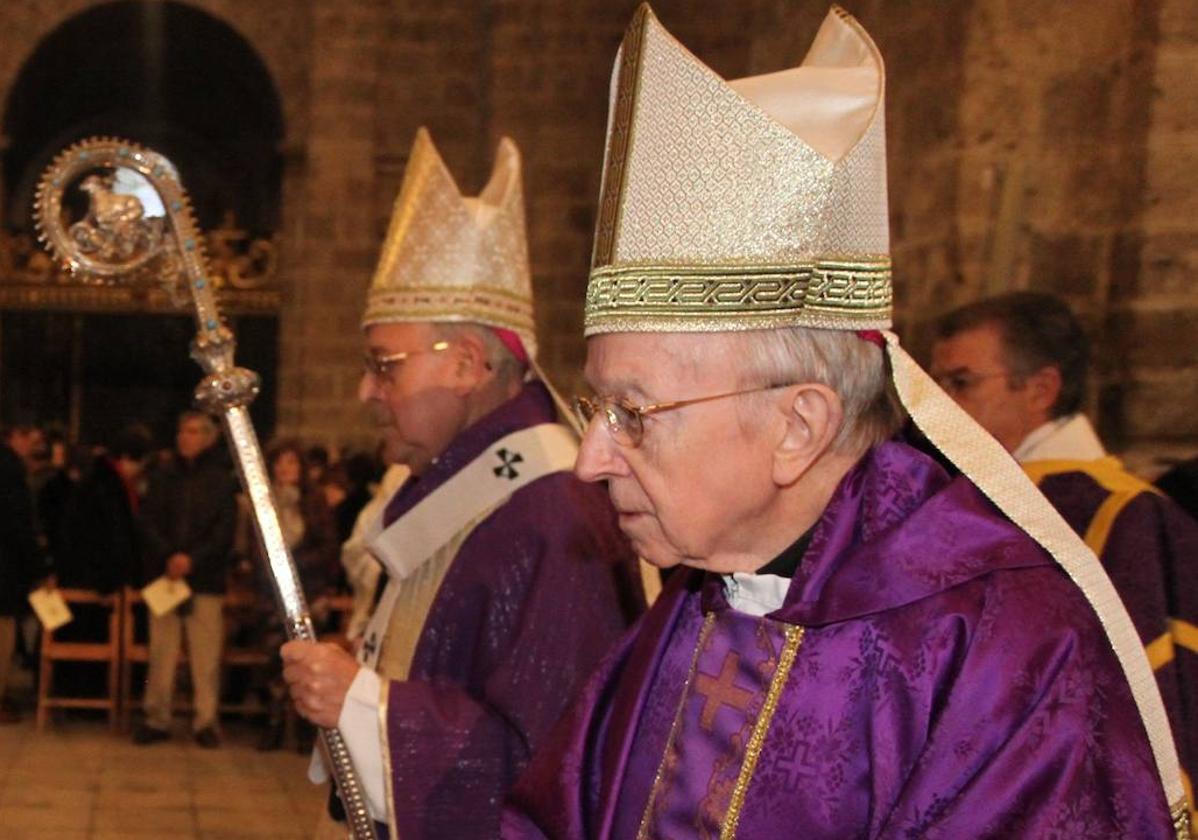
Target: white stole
{"x":486,"y":482}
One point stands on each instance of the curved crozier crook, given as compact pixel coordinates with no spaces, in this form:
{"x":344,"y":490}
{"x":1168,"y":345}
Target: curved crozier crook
{"x":139,"y":226}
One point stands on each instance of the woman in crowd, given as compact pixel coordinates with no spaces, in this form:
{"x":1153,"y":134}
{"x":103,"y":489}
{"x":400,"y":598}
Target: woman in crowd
{"x":310,"y":532}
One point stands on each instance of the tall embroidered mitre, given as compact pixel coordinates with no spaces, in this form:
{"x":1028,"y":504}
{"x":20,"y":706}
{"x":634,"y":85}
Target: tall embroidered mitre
{"x":454,"y":258}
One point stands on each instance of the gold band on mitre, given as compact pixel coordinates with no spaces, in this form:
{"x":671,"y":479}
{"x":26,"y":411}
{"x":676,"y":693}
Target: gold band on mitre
{"x":477,"y":304}
{"x":831,"y":293}
{"x":786,"y":226}
{"x":454,"y":258}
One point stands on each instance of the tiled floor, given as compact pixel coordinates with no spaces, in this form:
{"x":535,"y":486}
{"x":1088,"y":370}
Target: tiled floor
{"x":77,"y":780}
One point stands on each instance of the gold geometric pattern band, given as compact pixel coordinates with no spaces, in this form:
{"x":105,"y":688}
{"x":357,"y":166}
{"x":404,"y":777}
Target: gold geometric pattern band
{"x":851,"y":293}
{"x":616,"y":159}
{"x":1182,"y":829}
{"x":794,"y":638}
{"x":497,"y":307}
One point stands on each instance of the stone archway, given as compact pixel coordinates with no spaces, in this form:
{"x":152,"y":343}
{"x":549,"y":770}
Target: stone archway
{"x":164,"y":74}
{"x":184,"y":82}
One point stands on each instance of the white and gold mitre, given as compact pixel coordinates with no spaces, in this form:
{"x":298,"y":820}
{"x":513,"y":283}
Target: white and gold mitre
{"x":743,"y":205}
{"x":448,"y":257}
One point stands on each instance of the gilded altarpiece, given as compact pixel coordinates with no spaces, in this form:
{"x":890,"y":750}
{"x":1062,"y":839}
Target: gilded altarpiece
{"x":91,"y":358}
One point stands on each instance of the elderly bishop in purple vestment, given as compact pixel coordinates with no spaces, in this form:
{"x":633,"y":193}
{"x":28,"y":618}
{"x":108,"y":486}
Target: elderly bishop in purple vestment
{"x":507,"y":577}
{"x":856,"y":645}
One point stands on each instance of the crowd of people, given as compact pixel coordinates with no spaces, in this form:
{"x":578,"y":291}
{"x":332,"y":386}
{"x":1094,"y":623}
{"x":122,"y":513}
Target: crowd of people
{"x":109,"y":516}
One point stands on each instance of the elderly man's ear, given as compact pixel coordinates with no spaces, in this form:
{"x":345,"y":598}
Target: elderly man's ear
{"x":811,"y":415}
{"x":471,"y":367}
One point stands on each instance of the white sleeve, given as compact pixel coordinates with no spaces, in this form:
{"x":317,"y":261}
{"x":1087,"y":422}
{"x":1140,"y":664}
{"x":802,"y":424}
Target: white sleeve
{"x":360,"y":729}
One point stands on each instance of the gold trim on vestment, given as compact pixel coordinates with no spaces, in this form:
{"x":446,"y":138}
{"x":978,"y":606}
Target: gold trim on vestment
{"x":1180,"y":812}
{"x":794,"y":638}
{"x":1189,"y":791}
{"x":827,"y":293}
{"x":1108,"y":471}
{"x":1099,"y":530}
{"x":1184,"y":634}
{"x":1160,"y":651}
{"x":388,"y":789}
{"x":659,"y":777}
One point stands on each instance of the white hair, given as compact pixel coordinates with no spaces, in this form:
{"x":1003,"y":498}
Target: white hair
{"x":507,"y":368}
{"x":854,"y":368}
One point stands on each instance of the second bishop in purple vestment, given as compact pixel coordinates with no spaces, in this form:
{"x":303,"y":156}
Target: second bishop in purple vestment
{"x":508,"y":578}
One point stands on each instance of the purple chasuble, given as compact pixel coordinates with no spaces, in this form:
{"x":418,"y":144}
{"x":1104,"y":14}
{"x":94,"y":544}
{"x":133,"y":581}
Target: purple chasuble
{"x":1149,"y":549}
{"x":932,"y":674}
{"x":536,"y":595}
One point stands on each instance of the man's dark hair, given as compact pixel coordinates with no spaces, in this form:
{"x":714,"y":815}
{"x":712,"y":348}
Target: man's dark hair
{"x":317,"y":456}
{"x":134,"y":442}
{"x":1038,"y":330}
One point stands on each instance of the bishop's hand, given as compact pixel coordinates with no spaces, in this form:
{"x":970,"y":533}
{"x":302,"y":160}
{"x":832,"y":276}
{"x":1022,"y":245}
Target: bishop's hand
{"x":319,"y":675}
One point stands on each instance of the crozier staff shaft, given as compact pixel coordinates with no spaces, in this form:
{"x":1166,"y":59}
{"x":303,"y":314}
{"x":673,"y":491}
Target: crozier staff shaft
{"x":120,"y":239}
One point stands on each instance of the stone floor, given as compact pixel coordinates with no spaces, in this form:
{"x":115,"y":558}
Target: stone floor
{"x":78,"y":780}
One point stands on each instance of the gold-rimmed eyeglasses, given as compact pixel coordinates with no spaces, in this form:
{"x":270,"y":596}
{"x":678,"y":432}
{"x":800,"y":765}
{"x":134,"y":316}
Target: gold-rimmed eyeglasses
{"x":380,"y":367}
{"x":625,"y":422}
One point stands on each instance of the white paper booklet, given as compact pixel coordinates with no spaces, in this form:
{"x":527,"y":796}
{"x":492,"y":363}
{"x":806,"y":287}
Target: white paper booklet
{"x":163,"y":595}
{"x":50,"y":608}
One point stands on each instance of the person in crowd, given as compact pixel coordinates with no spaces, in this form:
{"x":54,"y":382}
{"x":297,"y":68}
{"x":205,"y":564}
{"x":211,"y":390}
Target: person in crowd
{"x":1180,"y":483}
{"x":308,"y":526}
{"x":318,"y":460}
{"x":1019,"y":364}
{"x":21,"y":558}
{"x":360,"y":472}
{"x":859,"y":645}
{"x":507,"y":578}
{"x":310,"y":533}
{"x":362,"y":571}
{"x":95,"y":543}
{"x":187,"y":523}
{"x":66,"y":467}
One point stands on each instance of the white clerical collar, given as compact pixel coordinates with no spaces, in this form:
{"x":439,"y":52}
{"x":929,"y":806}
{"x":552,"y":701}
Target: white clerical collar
{"x":755,"y":594}
{"x":1070,"y":438}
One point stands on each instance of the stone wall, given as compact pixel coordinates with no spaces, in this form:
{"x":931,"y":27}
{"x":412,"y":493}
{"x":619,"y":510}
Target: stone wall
{"x":1045,"y":146}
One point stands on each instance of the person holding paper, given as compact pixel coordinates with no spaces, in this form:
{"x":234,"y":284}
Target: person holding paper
{"x":188,"y":520}
{"x":20,"y":557}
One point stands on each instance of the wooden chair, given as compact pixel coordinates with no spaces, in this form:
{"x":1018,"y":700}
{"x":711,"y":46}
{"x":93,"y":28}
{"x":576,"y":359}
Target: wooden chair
{"x":134,"y":651}
{"x":107,"y":651}
{"x":241,"y":606}
{"x":342,"y":608}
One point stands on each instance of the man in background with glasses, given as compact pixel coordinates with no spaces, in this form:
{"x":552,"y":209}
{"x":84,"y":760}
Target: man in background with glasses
{"x":507,"y":577}
{"x":856,"y":644}
{"x":1019,"y":364}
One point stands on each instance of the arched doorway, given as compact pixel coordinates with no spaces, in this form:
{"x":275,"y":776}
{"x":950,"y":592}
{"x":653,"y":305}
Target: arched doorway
{"x":175,"y":78}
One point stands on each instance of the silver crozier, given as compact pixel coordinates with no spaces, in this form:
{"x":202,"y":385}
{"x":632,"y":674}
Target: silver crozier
{"x":139,"y":227}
